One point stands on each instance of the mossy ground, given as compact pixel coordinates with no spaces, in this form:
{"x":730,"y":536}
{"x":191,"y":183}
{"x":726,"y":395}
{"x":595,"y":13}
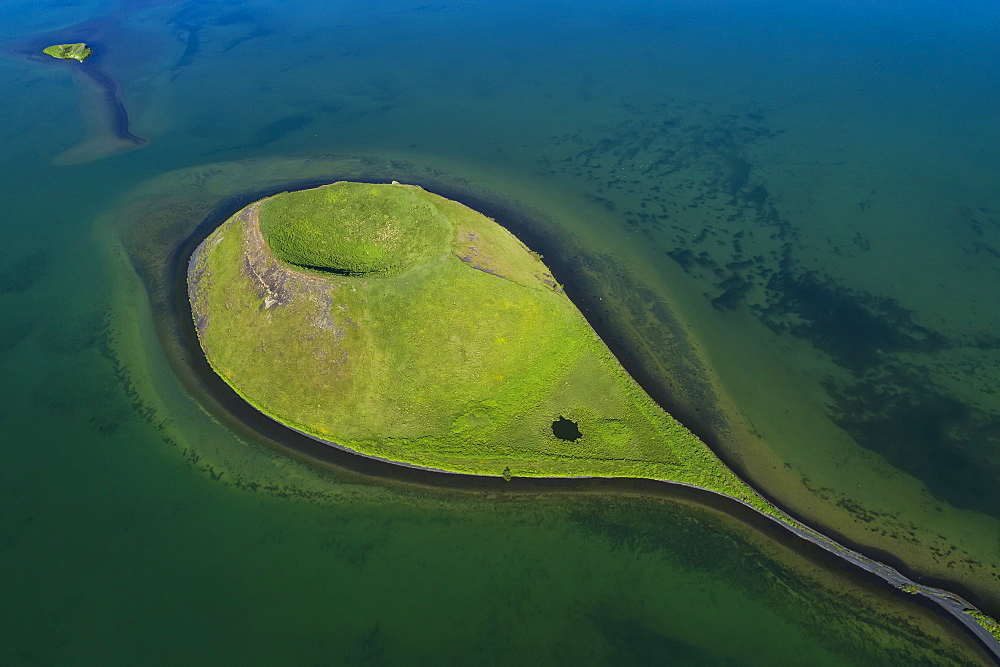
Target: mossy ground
{"x":407,"y":326}
{"x":68,"y":51}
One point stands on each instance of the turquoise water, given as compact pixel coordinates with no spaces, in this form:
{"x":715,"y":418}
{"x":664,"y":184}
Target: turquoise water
{"x":785,"y":215}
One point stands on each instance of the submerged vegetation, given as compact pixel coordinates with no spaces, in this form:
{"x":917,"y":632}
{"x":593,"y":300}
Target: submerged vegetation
{"x":402,"y":325}
{"x":68,"y":51}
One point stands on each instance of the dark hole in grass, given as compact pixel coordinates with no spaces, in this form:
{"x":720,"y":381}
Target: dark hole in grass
{"x":564,"y":429}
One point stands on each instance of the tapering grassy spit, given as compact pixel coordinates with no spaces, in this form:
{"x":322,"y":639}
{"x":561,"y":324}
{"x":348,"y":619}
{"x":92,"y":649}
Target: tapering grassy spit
{"x":987,"y":622}
{"x":406,"y":326}
{"x":68,"y":51}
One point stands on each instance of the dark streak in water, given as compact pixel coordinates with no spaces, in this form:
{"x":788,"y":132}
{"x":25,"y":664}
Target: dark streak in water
{"x":192,"y":45}
{"x":852,"y":327}
{"x":115,"y":108}
{"x":22,"y":273}
{"x":277,"y":130}
{"x":253,"y":34}
{"x":632,"y":642}
{"x":892,"y":410}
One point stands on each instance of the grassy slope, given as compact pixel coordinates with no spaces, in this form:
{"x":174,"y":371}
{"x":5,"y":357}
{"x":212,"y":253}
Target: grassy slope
{"x":455,"y":353}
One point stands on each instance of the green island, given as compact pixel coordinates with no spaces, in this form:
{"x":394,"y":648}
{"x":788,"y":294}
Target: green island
{"x":398,"y":324}
{"x":69,"y":51}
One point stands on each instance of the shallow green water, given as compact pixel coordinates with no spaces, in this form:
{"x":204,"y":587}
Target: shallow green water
{"x":814,"y":206}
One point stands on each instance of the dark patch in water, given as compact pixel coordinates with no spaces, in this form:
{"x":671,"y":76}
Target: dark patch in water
{"x":23,"y":273}
{"x":632,"y":642}
{"x":738,"y":176}
{"x":253,"y":34}
{"x":372,"y":647}
{"x":188,"y":22}
{"x":192,"y":44}
{"x":114,"y":107}
{"x":942,"y":442}
{"x":15,"y":329}
{"x":683,"y":256}
{"x":734,"y":290}
{"x":852,"y":327}
{"x":278,"y":129}
{"x":234,"y":17}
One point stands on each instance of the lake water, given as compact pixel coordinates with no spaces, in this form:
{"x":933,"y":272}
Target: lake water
{"x":783,"y":216}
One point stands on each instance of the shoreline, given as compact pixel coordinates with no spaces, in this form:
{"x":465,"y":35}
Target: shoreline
{"x":236,"y":410}
{"x":954,"y":605}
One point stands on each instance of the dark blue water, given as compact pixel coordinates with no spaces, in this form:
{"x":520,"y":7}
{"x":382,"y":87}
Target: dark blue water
{"x":786,"y":215}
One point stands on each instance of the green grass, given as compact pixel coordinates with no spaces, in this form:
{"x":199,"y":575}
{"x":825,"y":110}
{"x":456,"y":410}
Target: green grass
{"x":354,"y":229}
{"x":407,"y":326}
{"x":68,"y":51}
